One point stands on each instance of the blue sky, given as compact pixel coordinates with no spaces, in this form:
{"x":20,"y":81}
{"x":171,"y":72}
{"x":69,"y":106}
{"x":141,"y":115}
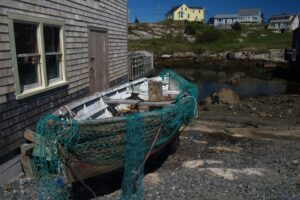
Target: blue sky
{"x":154,"y":10}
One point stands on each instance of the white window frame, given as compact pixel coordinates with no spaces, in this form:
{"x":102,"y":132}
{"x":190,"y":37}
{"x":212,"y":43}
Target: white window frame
{"x":45,"y":84}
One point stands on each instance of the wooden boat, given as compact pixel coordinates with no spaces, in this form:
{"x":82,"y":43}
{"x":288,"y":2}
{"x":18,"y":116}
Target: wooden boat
{"x":158,"y":106}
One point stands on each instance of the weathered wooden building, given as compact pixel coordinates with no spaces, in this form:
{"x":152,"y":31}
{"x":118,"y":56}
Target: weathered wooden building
{"x":53,"y":52}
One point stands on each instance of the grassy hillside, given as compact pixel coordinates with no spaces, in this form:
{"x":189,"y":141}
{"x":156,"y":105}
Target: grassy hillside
{"x":253,"y":37}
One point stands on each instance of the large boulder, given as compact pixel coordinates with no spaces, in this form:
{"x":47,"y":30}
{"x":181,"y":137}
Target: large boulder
{"x":184,"y":55}
{"x":142,"y":34}
{"x":262,"y":56}
{"x":133,"y":37}
{"x":226,"y":96}
{"x":240,"y":55}
{"x":276,"y":55}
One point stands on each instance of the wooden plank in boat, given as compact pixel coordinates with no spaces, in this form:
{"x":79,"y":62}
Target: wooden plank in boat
{"x":135,"y":102}
{"x":99,"y":94}
{"x":92,"y":110}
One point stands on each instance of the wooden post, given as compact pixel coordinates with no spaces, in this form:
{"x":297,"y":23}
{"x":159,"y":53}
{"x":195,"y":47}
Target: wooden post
{"x":155,"y":92}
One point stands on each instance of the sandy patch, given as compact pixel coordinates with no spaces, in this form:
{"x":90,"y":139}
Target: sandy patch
{"x":226,"y":149}
{"x":152,"y":179}
{"x":232,"y":174}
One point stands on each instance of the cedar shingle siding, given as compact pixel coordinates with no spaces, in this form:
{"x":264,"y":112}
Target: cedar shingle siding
{"x":78,"y":15}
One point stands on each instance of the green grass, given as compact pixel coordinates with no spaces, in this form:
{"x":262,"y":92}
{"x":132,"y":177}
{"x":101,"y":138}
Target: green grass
{"x":258,"y":39}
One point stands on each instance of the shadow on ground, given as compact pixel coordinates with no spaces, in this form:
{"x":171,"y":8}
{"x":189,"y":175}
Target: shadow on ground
{"x":110,"y":182}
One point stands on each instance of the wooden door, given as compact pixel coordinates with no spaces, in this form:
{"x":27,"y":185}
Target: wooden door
{"x":98,"y":60}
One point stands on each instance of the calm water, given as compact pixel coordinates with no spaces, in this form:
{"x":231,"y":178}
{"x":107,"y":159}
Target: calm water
{"x":215,"y":77}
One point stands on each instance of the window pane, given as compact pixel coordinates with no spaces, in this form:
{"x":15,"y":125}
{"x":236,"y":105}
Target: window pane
{"x":28,"y":72}
{"x":51,"y":39}
{"x":26,"y":38}
{"x":53,"y":66}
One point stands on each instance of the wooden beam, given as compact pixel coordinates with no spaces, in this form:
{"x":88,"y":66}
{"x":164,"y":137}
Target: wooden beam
{"x":29,"y":135}
{"x":137,"y":102}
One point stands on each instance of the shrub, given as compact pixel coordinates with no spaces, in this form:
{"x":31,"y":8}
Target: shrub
{"x":136,"y":20}
{"x":179,"y":37}
{"x":130,"y":29}
{"x":237,"y":26}
{"x":191,"y":28}
{"x":208,"y":36}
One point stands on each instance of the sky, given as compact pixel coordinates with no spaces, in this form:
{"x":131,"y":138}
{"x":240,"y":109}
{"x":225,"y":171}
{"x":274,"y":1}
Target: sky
{"x":154,"y":10}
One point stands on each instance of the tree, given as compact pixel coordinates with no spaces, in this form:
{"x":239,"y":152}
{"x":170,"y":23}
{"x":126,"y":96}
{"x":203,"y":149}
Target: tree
{"x":237,"y":26}
{"x":262,"y":18}
{"x":136,"y":20}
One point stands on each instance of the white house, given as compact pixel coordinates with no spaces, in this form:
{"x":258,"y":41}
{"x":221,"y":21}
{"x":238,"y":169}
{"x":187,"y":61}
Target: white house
{"x":250,"y":16}
{"x":226,"y":20}
{"x":284,"y":22}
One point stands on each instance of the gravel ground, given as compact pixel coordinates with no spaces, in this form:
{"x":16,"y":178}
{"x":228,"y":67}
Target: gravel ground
{"x":209,"y":166}
{"x":283,"y":109}
{"x":217,"y":166}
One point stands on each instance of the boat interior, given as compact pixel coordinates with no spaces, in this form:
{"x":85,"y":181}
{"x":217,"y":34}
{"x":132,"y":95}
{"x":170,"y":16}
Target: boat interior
{"x":137,"y":96}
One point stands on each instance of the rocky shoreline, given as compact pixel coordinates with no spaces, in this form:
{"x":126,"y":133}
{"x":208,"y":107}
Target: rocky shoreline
{"x":272,"y":56}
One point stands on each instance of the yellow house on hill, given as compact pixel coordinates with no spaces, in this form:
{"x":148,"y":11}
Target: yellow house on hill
{"x":184,"y":12}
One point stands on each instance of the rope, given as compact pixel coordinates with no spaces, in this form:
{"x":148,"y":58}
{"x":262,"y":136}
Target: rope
{"x":196,"y":114}
{"x":77,"y":176}
{"x":72,"y":114}
{"x":151,"y":148}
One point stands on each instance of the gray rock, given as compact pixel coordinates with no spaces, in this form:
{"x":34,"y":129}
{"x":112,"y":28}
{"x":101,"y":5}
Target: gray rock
{"x":190,"y":38}
{"x":227,"y":96}
{"x":133,"y":37}
{"x":208,"y":100}
{"x":166,"y":56}
{"x":142,"y":34}
{"x":184,"y":55}
{"x":260,"y":57}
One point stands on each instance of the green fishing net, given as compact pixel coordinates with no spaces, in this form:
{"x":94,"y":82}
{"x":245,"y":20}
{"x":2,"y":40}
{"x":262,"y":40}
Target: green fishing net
{"x":123,"y":141}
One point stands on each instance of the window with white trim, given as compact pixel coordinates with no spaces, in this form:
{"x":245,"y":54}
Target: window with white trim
{"x":38,"y":54}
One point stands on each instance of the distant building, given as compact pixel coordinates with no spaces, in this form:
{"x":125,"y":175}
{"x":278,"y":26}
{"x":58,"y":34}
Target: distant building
{"x":284,"y":22}
{"x":225,"y":21}
{"x":250,"y":16}
{"x":246,"y":16}
{"x":184,"y":12}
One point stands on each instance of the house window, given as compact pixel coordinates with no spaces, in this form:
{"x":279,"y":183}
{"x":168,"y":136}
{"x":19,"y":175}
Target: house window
{"x":38,"y":54}
{"x":53,"y":54}
{"x":180,"y":14}
{"x":28,"y":55}
{"x":188,"y":15}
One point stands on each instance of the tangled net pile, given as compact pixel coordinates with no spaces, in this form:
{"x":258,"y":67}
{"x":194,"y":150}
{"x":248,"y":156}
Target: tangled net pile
{"x":121,"y":141}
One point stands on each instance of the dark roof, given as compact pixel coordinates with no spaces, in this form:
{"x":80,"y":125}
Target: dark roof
{"x":196,"y":7}
{"x":176,"y":7}
{"x":173,"y":9}
{"x":249,"y":12}
{"x":226,"y":16}
{"x":283,"y":17}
